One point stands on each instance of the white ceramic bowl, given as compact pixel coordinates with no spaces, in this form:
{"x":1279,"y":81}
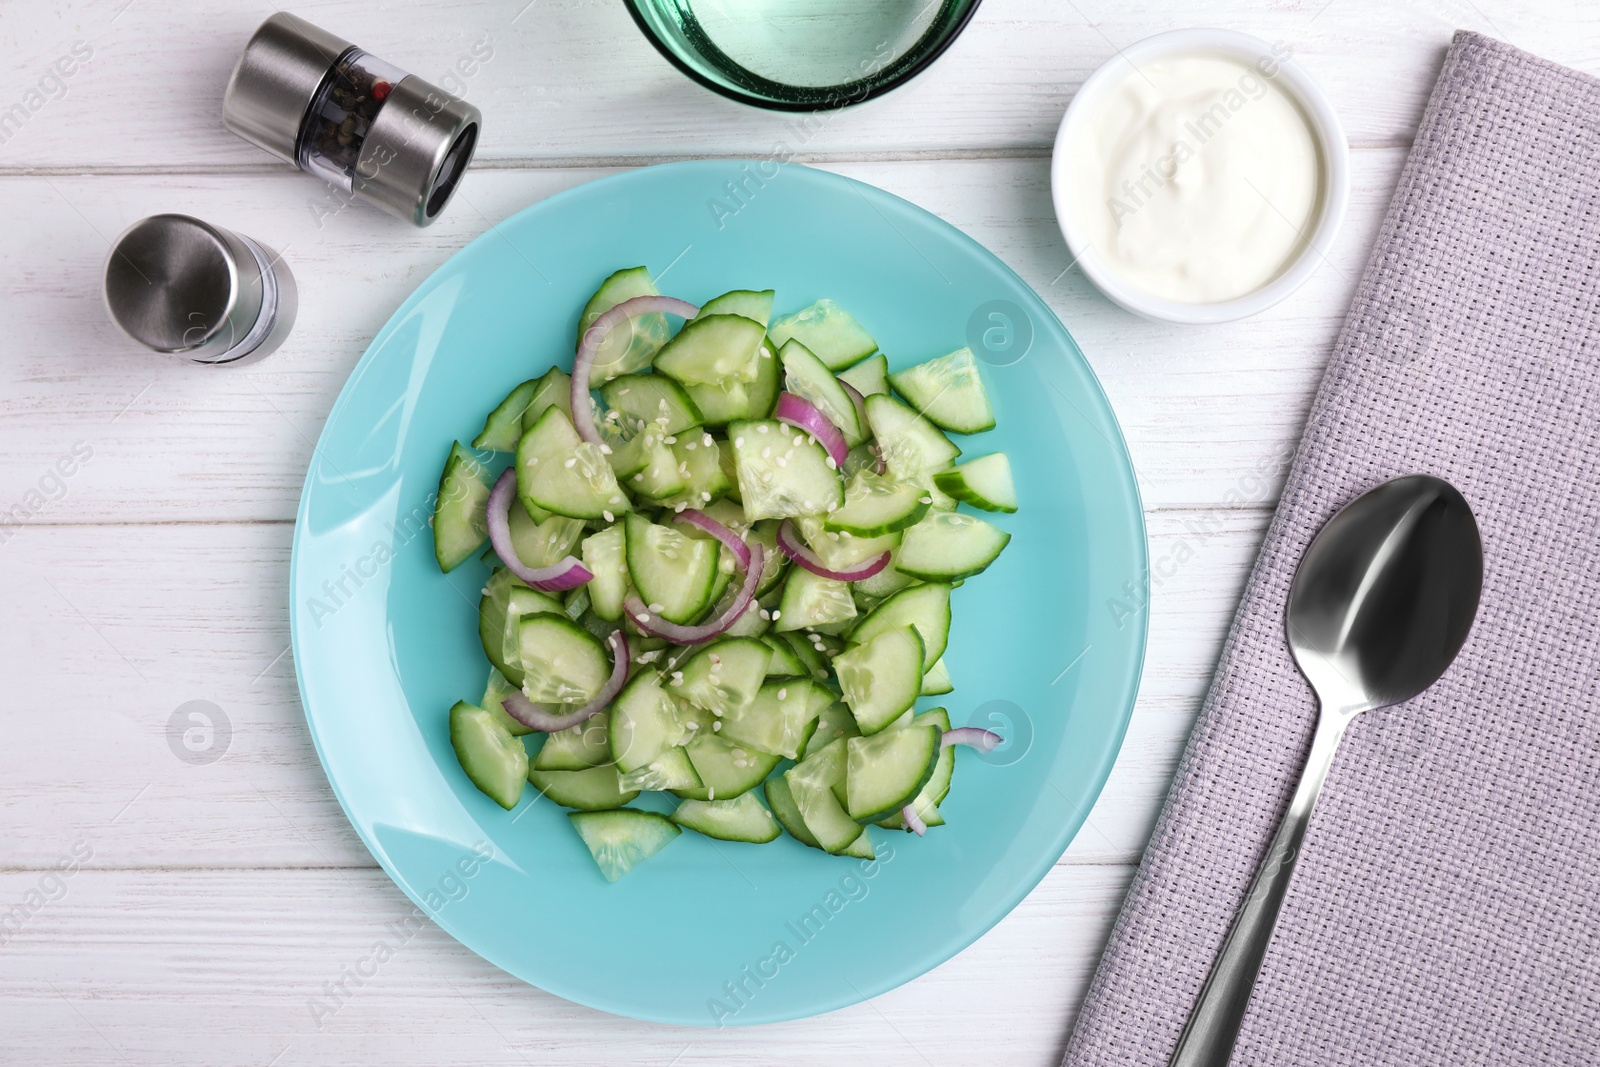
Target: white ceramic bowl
{"x":1325,"y":128}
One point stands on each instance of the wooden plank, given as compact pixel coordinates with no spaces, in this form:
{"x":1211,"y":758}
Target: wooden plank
{"x":113,"y":628}
{"x":1205,"y":411}
{"x":183,"y":966}
{"x":574,"y":79}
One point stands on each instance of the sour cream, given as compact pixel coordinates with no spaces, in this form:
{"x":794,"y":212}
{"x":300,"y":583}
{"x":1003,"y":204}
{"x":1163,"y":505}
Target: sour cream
{"x":1196,"y":178}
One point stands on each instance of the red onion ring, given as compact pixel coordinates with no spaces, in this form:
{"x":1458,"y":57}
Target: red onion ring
{"x":651,"y":623}
{"x":538,"y":717}
{"x":567,"y":574}
{"x":582,"y":406}
{"x":803,"y":415}
{"x":711,"y":526}
{"x":795,"y":549}
{"x":913,"y":821}
{"x":972,"y":737}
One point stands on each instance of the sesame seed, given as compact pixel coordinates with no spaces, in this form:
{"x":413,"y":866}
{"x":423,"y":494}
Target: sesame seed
{"x":705,"y":496}
{"x":925,"y":499}
{"x":572,"y":461}
{"x":707,"y":440}
{"x":532,"y":460}
{"x":608,"y":517}
{"x":775,"y":614}
{"x":716,"y":726}
{"x":671,"y":439}
{"x":832,"y":463}
{"x":639,"y":477}
{"x":783,"y":693}
{"x":763,"y":428}
{"x":679,"y":506}
{"x":711,"y":792}
{"x":642,"y":617}
{"x":605,"y":449}
{"x":657,"y":608}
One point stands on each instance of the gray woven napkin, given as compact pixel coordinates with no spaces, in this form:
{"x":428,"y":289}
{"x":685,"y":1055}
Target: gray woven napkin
{"x":1446,"y":905}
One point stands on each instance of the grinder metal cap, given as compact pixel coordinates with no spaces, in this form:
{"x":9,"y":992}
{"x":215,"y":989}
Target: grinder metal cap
{"x":283,"y":68}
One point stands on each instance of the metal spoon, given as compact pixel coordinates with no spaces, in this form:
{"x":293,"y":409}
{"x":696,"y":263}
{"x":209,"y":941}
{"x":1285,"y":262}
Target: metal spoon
{"x":1379,"y":608}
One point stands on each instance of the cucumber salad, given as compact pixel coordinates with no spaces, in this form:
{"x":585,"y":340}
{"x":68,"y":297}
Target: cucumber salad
{"x":723,"y":563}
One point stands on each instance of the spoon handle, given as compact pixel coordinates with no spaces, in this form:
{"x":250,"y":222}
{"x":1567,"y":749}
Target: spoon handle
{"x":1213,"y":1026}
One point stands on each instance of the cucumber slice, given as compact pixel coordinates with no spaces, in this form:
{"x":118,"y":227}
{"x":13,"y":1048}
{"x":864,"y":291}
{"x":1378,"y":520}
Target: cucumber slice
{"x":875,"y":505}
{"x":589,"y":789}
{"x":559,"y":471}
{"x":503,"y":428}
{"x":815,"y":664}
{"x":861,"y":848}
{"x":727,"y":769}
{"x":497,"y":690}
{"x":780,"y":719}
{"x":782,"y":472}
{"x":724,"y":402}
{"x":724,"y":676}
{"x":750,"y":624}
{"x":712,"y":349}
{"x":811,"y":600}
{"x":927,"y":607}
{"x":495,"y":761}
{"x":807,"y":378}
{"x":562,"y":662}
{"x":984,"y":483}
{"x":585,"y":745}
{"x":858,"y":459}
{"x":784,"y":663}
{"x":843,"y":551}
{"x":937,"y":681}
{"x":540,"y":544}
{"x":494,"y":613}
{"x":554,"y":391}
{"x":631,"y":345}
{"x":621,"y":839}
{"x":660,"y":476}
{"x":740,"y":819}
{"x":780,"y":799}
{"x":869,"y":592}
{"x":927,"y":800}
{"x":643,"y":722}
{"x":938,"y":499}
{"x":947,"y":547}
{"x":747,"y":302}
{"x":835,"y":722}
{"x":705,"y":477}
{"x":887,"y":771}
{"x":674,"y":573}
{"x":605,"y":554}
{"x":669,"y":770}
{"x":949,"y":391}
{"x":829,"y":331}
{"x":775,"y":564}
{"x":881,"y":678}
{"x":651,"y":400}
{"x":911,"y":445}
{"x":811,"y":783}
{"x":522,"y":602}
{"x":869,"y":376}
{"x":459,"y":526}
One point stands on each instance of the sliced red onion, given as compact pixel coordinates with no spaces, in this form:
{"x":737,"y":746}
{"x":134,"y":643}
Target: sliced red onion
{"x":567,"y":574}
{"x":861,"y":407}
{"x":972,"y":737}
{"x":538,"y":717}
{"x":651,"y":623}
{"x":582,"y":406}
{"x":803,"y":414}
{"x":711,"y":526}
{"x":913,"y":821}
{"x":793,"y":547}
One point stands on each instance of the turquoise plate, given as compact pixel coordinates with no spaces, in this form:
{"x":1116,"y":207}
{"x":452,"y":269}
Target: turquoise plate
{"x":1046,"y":645}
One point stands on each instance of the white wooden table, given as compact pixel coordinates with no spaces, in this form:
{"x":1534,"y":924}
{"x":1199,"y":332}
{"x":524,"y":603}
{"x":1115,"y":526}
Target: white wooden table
{"x":209,"y":907}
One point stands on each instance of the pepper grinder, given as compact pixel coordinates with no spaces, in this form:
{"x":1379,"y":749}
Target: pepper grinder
{"x":186,"y":288}
{"x":358,"y":122}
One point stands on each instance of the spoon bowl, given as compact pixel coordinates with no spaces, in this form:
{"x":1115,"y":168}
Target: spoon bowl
{"x":1386,"y":594}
